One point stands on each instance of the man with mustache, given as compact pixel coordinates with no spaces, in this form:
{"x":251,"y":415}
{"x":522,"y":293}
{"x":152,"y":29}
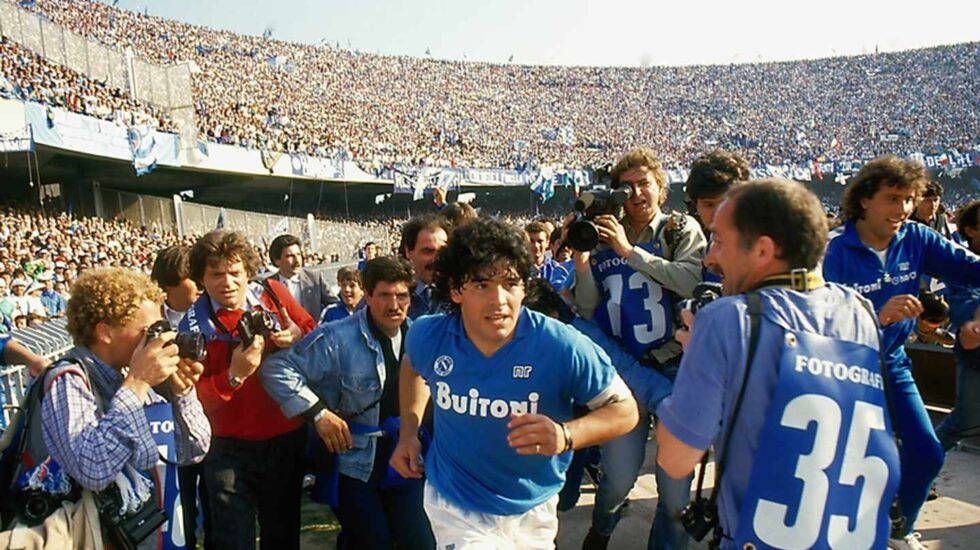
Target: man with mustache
{"x":343,"y":380}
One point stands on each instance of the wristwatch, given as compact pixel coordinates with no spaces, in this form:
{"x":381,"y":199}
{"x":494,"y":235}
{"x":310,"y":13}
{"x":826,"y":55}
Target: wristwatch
{"x":234,"y":381}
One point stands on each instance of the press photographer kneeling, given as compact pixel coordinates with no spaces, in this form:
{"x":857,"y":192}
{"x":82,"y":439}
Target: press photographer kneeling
{"x":106,"y":410}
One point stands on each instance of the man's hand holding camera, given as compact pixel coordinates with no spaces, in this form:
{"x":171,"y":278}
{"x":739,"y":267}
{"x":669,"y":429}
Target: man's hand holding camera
{"x":188,"y":373}
{"x":246,"y":360}
{"x":152,"y":363}
{"x":612,"y":233}
{"x":683,"y":333}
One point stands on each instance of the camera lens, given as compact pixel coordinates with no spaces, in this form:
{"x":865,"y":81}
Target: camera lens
{"x":37,"y":507}
{"x":190,"y":345}
{"x":582,"y":235}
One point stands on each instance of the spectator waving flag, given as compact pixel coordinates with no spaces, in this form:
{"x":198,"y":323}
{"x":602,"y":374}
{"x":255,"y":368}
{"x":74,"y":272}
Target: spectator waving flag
{"x":141,"y":145}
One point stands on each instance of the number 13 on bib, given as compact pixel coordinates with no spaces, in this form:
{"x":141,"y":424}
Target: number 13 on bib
{"x":826,"y":469}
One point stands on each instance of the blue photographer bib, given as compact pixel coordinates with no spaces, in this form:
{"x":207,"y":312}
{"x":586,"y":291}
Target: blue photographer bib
{"x":633,"y":307}
{"x":163,"y":427}
{"x":827,"y":467}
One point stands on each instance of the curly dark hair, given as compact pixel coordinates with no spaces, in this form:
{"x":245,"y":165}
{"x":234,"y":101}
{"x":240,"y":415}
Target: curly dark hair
{"x":968,"y":216}
{"x":886,"y":170}
{"x":540,"y":296}
{"x":476,"y":250}
{"x":714,"y":173}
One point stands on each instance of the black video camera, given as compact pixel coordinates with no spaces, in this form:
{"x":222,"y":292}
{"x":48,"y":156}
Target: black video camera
{"x":255,"y":323}
{"x":699,"y":518}
{"x":583,"y":235}
{"x":190,"y":345}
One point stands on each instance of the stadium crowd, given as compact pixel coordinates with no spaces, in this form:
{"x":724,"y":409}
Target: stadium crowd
{"x":27,"y":76}
{"x":324,"y":100}
{"x":43,"y":250}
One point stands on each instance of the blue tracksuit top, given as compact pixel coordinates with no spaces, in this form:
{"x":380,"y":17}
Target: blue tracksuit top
{"x":915,"y":251}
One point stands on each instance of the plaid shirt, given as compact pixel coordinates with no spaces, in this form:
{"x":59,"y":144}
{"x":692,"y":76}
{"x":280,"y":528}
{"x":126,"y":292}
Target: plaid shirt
{"x":92,"y":447}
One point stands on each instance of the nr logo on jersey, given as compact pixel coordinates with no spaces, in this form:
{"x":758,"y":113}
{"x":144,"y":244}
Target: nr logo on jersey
{"x":522,"y":371}
{"x":443,"y":365}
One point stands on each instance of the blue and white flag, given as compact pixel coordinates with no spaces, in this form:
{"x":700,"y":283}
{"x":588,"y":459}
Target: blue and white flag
{"x":141,"y":145}
{"x":544,"y":185}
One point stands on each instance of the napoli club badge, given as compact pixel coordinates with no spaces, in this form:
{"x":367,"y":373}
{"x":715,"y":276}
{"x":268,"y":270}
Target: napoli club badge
{"x":444,"y":365}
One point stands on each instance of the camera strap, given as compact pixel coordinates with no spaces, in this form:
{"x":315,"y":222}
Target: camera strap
{"x":273,"y":296}
{"x":754,"y":300}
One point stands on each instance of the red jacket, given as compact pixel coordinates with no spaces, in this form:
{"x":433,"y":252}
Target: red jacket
{"x":246,"y":412}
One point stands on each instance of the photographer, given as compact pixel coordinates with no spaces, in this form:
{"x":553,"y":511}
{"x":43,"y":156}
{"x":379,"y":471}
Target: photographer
{"x":172,"y":272}
{"x":254,"y":467}
{"x":777,"y":375}
{"x":99,"y":400}
{"x":627,"y":286}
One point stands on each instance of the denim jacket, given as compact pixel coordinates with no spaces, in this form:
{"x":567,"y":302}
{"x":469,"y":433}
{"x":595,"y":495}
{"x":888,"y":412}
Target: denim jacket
{"x":341,"y":365}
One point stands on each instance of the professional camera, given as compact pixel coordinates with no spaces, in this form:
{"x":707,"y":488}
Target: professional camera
{"x":126,"y":531}
{"x":190,"y":345}
{"x":255,"y":323}
{"x":699,"y":517}
{"x":704,"y":293}
{"x":608,"y":198}
{"x":37,"y":505}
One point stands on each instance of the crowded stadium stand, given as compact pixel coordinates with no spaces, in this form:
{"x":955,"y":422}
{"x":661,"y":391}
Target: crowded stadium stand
{"x":323,"y":100}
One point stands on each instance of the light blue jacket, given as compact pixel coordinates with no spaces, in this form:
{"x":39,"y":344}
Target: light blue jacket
{"x":341,"y":365}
